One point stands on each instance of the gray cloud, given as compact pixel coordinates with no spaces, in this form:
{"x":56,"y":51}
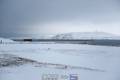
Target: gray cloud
{"x":18,"y":16}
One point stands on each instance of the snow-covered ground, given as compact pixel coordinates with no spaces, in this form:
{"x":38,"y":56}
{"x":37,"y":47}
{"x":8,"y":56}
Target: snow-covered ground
{"x":88,"y":62}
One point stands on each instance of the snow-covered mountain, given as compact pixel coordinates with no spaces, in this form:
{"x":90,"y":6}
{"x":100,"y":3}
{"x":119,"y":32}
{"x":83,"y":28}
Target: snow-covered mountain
{"x":2,"y":40}
{"x":86,"y":35}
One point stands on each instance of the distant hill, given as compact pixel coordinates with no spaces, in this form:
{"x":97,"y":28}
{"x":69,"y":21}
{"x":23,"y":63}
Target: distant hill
{"x":86,"y":35}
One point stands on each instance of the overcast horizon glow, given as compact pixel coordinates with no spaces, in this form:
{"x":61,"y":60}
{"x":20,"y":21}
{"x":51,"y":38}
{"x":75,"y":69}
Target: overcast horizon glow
{"x":59,"y":16}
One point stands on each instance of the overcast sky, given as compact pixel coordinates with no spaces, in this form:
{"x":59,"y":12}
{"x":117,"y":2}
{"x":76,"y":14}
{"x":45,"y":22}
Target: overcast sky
{"x":59,"y":16}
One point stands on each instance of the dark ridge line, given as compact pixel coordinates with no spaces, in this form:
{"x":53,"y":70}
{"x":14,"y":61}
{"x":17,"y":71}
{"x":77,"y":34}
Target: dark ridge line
{"x":63,"y":66}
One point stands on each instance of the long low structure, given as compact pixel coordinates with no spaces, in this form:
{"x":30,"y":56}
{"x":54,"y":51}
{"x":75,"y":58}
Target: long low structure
{"x":107,"y":42}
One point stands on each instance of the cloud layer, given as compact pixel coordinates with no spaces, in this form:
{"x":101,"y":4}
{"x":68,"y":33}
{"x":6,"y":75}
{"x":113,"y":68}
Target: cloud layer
{"x":59,"y":16}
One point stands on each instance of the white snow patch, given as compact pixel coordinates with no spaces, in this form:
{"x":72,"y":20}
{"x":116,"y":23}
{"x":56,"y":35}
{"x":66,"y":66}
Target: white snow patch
{"x":4,"y":40}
